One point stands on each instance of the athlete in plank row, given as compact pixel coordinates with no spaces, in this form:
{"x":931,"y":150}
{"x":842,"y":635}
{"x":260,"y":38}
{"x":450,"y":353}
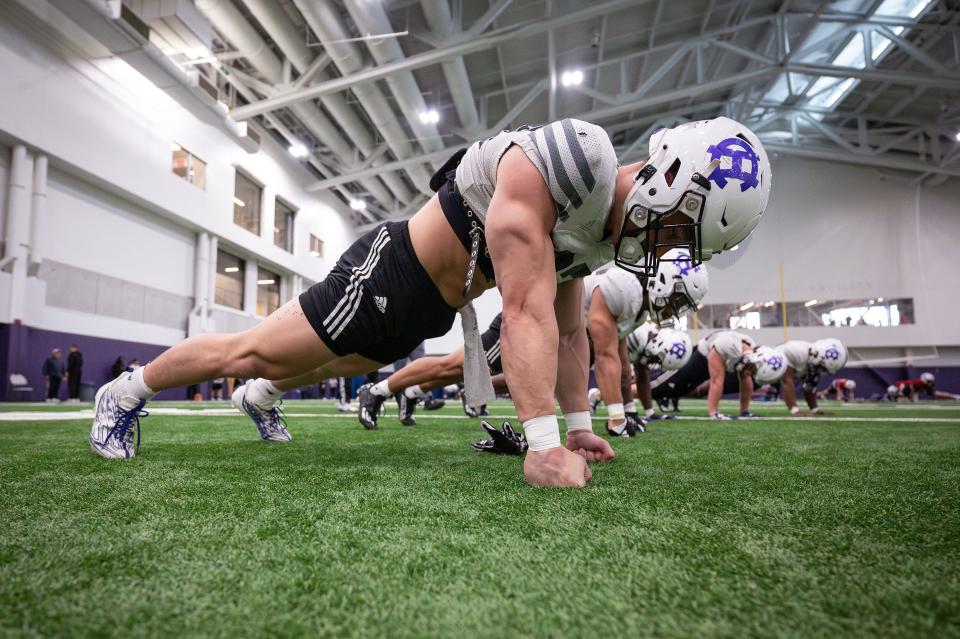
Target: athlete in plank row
{"x":530,"y":211}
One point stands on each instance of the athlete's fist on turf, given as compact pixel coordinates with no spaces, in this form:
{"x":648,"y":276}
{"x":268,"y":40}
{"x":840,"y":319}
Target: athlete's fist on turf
{"x":589,"y":446}
{"x":556,"y":468}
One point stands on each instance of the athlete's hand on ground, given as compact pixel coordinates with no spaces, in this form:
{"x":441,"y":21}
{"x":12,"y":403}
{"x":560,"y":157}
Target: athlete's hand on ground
{"x":556,"y":468}
{"x":589,"y":446}
{"x":507,"y":442}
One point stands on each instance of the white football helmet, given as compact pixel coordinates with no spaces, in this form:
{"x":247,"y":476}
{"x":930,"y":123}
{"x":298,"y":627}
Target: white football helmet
{"x":715,"y":173}
{"x":851,"y":385}
{"x":678,"y":285}
{"x":828,"y":354}
{"x":927,"y":378}
{"x":668,"y":348}
{"x":892,"y":390}
{"x":771,"y":366}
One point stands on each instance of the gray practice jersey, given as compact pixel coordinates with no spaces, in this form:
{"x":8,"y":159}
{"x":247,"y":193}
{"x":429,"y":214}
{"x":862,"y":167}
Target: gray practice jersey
{"x":728,"y":344}
{"x":578,"y":164}
{"x":622,"y":293}
{"x":797,"y":354}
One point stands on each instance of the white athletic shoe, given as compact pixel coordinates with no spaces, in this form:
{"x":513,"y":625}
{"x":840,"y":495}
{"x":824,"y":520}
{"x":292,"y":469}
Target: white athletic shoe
{"x":269,"y":422}
{"x":346,"y":408}
{"x":116,"y":432}
{"x":593,"y":398}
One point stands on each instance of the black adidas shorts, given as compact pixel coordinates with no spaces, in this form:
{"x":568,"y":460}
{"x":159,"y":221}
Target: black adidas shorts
{"x":681,"y":382}
{"x":378,"y":301}
{"x":491,"y":345}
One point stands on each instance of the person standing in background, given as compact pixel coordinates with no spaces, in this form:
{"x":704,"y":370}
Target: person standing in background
{"x":117,"y":368}
{"x":52,"y":373}
{"x":74,"y":373}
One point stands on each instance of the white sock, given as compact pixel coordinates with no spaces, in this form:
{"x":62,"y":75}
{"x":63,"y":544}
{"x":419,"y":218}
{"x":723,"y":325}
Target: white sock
{"x":382,"y":389}
{"x":413,"y":392}
{"x":132,"y":389}
{"x":263,"y":394}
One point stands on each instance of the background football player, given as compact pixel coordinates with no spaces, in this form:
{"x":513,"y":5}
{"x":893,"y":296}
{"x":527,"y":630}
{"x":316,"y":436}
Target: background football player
{"x":912,"y":388}
{"x":841,"y":389}
{"x":806,"y":362}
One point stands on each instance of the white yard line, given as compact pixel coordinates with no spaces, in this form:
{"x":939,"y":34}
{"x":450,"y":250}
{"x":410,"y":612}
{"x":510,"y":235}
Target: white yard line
{"x":86,"y":415}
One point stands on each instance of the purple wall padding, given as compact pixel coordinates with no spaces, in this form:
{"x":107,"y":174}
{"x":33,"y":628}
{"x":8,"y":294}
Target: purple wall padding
{"x":23,"y":350}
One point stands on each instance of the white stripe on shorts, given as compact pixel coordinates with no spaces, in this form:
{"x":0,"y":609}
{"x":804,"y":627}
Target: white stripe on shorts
{"x":347,"y":307}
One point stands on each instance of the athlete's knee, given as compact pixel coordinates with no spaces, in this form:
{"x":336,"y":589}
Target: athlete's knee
{"x":244,"y":359}
{"x":451,"y":366}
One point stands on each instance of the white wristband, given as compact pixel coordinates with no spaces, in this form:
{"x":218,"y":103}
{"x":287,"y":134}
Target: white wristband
{"x":649,"y":412}
{"x":794,"y":410}
{"x":579,"y":421}
{"x":615,"y":411}
{"x":630,"y":407}
{"x":542,"y":432}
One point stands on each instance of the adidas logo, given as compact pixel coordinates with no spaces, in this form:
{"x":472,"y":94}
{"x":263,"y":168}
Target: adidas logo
{"x":381,"y":303}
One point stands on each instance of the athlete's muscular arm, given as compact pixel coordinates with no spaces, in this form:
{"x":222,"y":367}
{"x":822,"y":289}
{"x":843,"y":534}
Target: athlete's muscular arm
{"x":573,"y":357}
{"x":746,"y":388}
{"x":717,"y":370}
{"x":788,"y":388}
{"x":626,"y":372}
{"x":603,"y":331}
{"x":643,"y":386}
{"x":518,"y":227}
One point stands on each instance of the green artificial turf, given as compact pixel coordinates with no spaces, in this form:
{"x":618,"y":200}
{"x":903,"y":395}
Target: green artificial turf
{"x":751,"y":528}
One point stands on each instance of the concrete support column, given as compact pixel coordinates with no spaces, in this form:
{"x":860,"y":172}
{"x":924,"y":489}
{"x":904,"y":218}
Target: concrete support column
{"x":38,"y":210}
{"x":18,"y":230}
{"x":250,"y":287}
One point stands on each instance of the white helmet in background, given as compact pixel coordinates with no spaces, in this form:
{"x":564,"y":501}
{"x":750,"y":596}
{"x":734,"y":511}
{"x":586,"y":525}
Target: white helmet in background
{"x":892,"y":390}
{"x":678,"y":286}
{"x":851,"y":384}
{"x":750,"y":358}
{"x":670,"y":348}
{"x":927,"y":378}
{"x":771,"y":366}
{"x":828,"y":354}
{"x":715,"y":173}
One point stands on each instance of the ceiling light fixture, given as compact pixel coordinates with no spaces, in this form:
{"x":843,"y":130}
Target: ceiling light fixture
{"x":298,"y":150}
{"x":238,"y":201}
{"x":429,"y":117}
{"x":231,"y":269}
{"x":747,"y":306}
{"x":571,"y":78}
{"x":768,"y":304}
{"x":264,"y":282}
{"x":358,"y":205}
{"x":811,"y":303}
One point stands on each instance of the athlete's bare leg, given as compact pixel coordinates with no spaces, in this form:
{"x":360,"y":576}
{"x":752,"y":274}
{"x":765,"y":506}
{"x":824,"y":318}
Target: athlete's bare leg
{"x":428,"y":369}
{"x":346,"y":366}
{"x":281,"y":346}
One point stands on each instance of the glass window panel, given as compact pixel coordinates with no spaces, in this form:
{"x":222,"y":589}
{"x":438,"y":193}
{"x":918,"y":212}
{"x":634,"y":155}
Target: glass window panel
{"x":229,"y":280}
{"x":246,"y":203}
{"x":283,"y":225}
{"x":268,"y":292}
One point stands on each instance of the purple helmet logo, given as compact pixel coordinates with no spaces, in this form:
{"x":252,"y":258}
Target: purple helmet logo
{"x":678,"y":350}
{"x":739,"y":152}
{"x":831,"y":353}
{"x":684,"y":265}
{"x":775,"y":363}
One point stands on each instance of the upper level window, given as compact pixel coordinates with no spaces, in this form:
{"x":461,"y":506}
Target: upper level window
{"x":836,"y":313}
{"x":283,"y":225}
{"x":189,"y":167}
{"x":247,"y":196}
{"x":229,"y":285}
{"x":268,"y":292}
{"x":316,"y":246}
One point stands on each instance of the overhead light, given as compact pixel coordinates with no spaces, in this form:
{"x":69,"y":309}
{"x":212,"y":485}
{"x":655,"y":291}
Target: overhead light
{"x":315,"y":253}
{"x":879,"y":299}
{"x":231,"y":269}
{"x":958,"y":136}
{"x":870,"y":302}
{"x":298,"y":150}
{"x":746,"y":306}
{"x":264,"y":282}
{"x":429,"y":117}
{"x":735,"y":248}
{"x":811,"y":303}
{"x":177,"y":147}
{"x":700,"y":306}
{"x":238,"y":201}
{"x":571,"y":78}
{"x":769,"y":304}
{"x":358,"y":205}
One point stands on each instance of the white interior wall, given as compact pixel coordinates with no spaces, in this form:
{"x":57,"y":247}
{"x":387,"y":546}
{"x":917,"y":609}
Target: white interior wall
{"x":114,"y":205}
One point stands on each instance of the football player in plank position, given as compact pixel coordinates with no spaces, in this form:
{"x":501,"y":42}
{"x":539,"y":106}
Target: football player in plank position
{"x":612,"y":316}
{"x":841,"y":389}
{"x":716,"y":355}
{"x":530,"y":211}
{"x":806,"y":362}
{"x":911,"y":388}
{"x":652,"y":348}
